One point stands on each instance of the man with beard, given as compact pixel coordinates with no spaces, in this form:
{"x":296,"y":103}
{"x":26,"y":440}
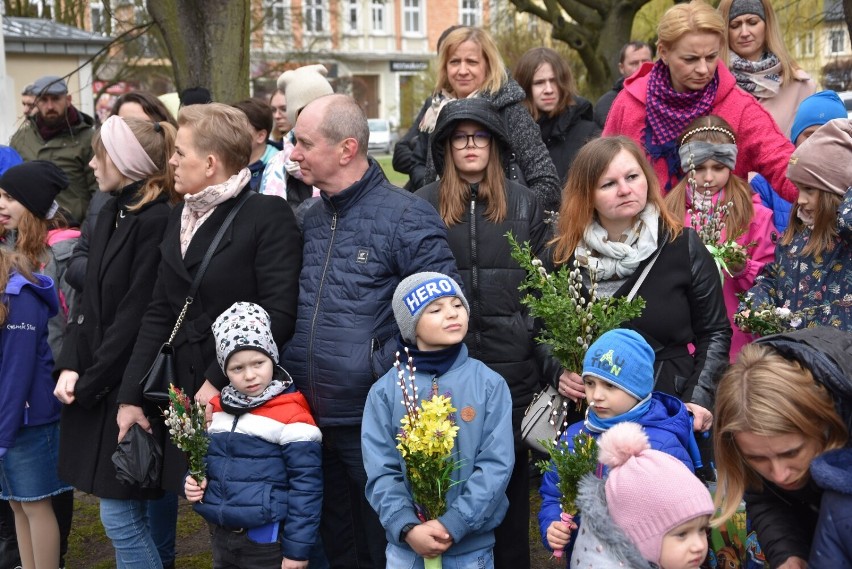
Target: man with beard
{"x":60,"y":133}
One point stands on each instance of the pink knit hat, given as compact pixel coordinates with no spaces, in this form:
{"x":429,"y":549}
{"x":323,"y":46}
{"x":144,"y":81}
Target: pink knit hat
{"x":648,"y":492}
{"x":824,"y":161}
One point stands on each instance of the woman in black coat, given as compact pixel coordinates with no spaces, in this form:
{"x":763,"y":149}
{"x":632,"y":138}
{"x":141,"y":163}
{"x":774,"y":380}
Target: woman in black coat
{"x":612,"y":221}
{"x":258,"y":260}
{"x":480,"y":205}
{"x":123,"y":257}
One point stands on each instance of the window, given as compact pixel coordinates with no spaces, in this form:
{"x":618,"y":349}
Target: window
{"x":314,"y":15}
{"x":353,"y":16}
{"x":836,"y":41}
{"x":412,"y":17}
{"x":98,"y":17}
{"x":805,"y":45}
{"x":144,"y":42}
{"x":275,"y":16}
{"x":471,"y":12}
{"x":378,"y":16}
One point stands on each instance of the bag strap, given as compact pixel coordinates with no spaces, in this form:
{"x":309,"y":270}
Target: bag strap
{"x":644,"y":274}
{"x":196,"y":282}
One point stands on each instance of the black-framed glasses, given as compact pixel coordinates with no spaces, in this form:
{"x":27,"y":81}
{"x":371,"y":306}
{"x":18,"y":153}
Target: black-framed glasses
{"x":480,"y":139}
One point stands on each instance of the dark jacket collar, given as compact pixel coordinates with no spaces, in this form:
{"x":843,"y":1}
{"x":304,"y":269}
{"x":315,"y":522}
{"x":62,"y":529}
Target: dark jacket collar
{"x":345,"y":199}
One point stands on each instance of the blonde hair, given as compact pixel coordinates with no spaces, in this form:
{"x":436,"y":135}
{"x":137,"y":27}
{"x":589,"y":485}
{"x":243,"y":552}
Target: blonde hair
{"x":695,"y":17}
{"x":495,"y":69}
{"x":736,"y":190}
{"x":454,"y":193}
{"x":774,"y":40}
{"x":578,"y":195}
{"x":158,"y":142}
{"x":220,"y":130}
{"x":769,"y":395}
{"x":824,"y":233}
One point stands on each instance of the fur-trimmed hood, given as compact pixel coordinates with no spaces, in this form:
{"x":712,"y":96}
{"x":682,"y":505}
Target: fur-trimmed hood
{"x":600,"y":543}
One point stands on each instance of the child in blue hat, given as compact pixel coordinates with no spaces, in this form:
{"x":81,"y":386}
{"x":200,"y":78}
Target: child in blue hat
{"x":618,"y":372}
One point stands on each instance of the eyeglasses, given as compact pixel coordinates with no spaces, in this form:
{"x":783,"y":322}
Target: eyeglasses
{"x":460,"y":140}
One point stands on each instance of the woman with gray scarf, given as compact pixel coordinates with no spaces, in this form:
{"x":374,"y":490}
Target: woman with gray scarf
{"x":760,"y":62}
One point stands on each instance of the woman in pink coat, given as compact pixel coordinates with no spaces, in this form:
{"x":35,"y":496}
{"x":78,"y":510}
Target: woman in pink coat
{"x":689,"y":81}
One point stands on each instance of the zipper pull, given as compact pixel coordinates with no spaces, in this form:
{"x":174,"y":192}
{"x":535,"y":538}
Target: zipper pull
{"x":26,"y":412}
{"x":333,"y":221}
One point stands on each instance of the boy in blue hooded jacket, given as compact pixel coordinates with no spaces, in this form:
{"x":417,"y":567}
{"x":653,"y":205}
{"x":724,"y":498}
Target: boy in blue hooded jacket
{"x":618,"y":373}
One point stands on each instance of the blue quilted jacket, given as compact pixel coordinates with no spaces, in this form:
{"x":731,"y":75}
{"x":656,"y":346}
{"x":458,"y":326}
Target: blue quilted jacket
{"x":358,"y":245}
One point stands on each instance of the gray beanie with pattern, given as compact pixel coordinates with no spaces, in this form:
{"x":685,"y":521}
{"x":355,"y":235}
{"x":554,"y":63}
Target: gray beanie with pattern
{"x":415,"y":293}
{"x":244,"y":326}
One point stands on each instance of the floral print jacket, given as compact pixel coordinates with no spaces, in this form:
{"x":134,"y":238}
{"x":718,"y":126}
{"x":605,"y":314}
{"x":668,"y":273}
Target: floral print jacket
{"x":819,"y":287}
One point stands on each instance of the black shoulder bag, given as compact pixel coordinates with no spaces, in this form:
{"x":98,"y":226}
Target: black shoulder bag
{"x":162,"y":373}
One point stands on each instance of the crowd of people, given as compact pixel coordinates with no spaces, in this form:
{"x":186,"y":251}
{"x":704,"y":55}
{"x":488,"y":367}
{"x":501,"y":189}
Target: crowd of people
{"x":304,"y":295}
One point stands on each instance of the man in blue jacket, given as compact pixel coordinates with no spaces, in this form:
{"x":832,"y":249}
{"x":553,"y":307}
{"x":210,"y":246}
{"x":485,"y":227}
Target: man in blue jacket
{"x":360,"y":241}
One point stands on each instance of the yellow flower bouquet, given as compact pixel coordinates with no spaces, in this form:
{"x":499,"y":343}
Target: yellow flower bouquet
{"x":426,"y":437}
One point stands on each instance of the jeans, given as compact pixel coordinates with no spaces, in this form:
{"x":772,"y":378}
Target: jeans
{"x":404,"y":558}
{"x":162,"y":522}
{"x":126,"y":524}
{"x":350,"y":528}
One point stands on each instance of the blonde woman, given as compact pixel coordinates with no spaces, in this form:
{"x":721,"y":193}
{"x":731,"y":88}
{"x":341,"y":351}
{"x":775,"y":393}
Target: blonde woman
{"x":786,"y":400}
{"x":470,"y":65}
{"x":760,"y":61}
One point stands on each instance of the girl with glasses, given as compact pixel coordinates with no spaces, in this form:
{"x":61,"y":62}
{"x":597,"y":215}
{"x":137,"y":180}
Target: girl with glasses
{"x":479,"y":205}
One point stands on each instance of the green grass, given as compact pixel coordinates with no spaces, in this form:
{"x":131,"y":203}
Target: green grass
{"x":395,"y":177}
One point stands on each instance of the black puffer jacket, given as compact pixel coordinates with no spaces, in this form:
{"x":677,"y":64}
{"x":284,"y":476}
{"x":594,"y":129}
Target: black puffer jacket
{"x":499,"y":332}
{"x":785,"y":520}
{"x":565,"y":134}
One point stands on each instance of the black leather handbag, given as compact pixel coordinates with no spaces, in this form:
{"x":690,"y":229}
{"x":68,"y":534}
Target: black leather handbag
{"x":163,"y":372}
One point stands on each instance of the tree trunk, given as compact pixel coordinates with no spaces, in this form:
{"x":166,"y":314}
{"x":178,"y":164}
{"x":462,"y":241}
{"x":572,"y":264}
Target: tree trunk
{"x":847,"y":15}
{"x":208,"y":44}
{"x":595,"y":30}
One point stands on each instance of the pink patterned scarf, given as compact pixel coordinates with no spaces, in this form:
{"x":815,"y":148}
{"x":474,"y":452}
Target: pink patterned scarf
{"x":198,"y":207}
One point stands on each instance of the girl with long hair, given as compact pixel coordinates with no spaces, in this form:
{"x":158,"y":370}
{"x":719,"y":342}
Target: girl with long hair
{"x":29,"y":426}
{"x":131,"y":164}
{"x":812,"y":274}
{"x":708,"y":151}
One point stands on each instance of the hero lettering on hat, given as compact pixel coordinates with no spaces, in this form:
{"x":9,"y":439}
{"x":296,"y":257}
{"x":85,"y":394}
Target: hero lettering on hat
{"x":427,"y":292}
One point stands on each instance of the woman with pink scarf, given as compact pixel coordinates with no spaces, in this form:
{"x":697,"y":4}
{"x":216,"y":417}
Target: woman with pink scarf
{"x":689,"y":80}
{"x":258,"y":260}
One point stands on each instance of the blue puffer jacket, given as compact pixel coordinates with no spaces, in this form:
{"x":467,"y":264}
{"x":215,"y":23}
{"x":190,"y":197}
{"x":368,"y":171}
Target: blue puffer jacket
{"x":768,"y":197}
{"x":358,"y":245}
{"x":669,"y":428}
{"x":832,"y":546}
{"x":266,"y":466}
{"x":476,"y":500}
{"x":26,"y":362}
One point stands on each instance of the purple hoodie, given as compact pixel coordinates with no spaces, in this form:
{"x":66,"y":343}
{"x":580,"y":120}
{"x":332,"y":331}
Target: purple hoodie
{"x":26,"y":363}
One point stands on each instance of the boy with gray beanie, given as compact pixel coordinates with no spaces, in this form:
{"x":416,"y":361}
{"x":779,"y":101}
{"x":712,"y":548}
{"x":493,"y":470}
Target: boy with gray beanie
{"x":432,"y":314}
{"x":263,"y":442}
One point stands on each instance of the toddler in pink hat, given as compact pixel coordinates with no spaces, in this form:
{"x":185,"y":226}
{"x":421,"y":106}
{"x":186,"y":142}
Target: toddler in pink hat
{"x":649,"y":512}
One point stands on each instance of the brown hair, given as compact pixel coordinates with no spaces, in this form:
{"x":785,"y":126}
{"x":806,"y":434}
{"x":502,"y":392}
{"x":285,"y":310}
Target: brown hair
{"x":526,"y":68}
{"x":151,"y":105}
{"x":220,"y":130}
{"x":495,"y":75}
{"x":824,"y":233}
{"x":773,"y":38}
{"x":769,"y":395}
{"x":31,"y":242}
{"x":736,"y":190}
{"x":259,"y":114}
{"x":9,"y":262}
{"x":454,"y":193}
{"x":578,"y":195}
{"x":694,"y":17}
{"x":158,"y":142}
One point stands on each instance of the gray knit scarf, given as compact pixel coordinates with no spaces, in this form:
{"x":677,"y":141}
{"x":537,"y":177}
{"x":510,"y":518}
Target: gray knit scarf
{"x":760,"y":78}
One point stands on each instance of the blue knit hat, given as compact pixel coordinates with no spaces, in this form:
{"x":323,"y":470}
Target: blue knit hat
{"x":624,"y":359}
{"x":817,"y":109}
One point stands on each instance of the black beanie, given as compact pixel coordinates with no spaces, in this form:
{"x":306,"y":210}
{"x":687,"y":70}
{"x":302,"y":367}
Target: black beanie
{"x":34,"y":184}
